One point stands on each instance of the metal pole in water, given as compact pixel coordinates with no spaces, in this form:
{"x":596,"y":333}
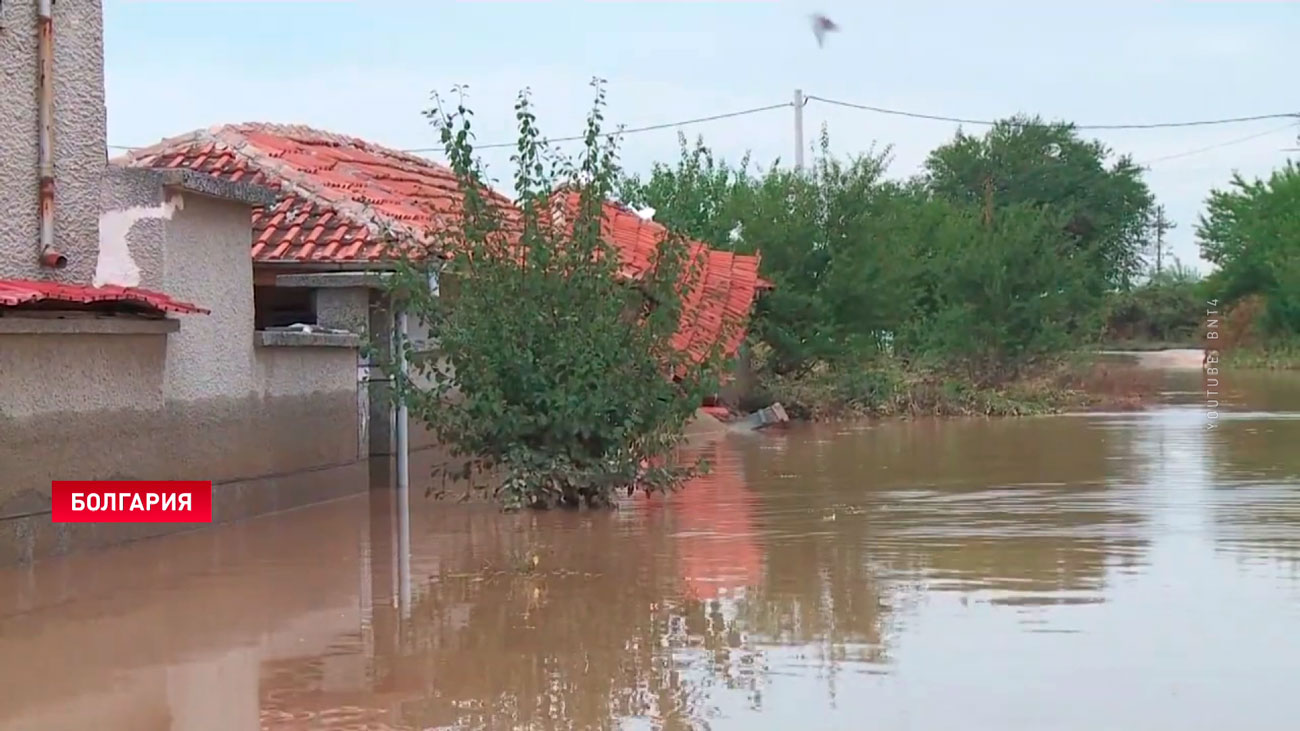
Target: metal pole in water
{"x":403,"y":474}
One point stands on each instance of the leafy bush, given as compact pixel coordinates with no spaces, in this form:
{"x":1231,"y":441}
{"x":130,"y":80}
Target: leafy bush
{"x":1103,"y":205}
{"x":1001,"y":297}
{"x":1251,"y":231}
{"x":1169,"y":308}
{"x":552,"y":375}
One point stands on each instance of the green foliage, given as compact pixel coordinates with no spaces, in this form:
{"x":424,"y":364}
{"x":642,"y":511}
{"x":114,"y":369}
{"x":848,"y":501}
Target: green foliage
{"x":1001,"y":296}
{"x":1251,"y":231}
{"x":821,"y":237}
{"x":1103,"y":206}
{"x":701,"y":198}
{"x":1168,"y":308}
{"x":551,"y":374}
{"x":931,"y":271}
{"x":1280,"y":353}
{"x":818,"y":234}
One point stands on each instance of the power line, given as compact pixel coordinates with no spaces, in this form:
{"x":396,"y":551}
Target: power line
{"x":989,"y":123}
{"x":896,"y":112}
{"x":1225,"y":143}
{"x":576,"y":138}
{"x":864,"y":107}
{"x":630,"y":130}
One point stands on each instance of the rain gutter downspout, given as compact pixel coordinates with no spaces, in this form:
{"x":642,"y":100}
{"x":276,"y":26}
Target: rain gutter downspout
{"x":45,"y":114}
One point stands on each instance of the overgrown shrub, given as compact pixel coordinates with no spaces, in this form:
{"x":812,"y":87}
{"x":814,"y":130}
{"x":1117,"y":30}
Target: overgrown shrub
{"x":1251,"y":231}
{"x":552,"y":377}
{"x":1000,"y":298}
{"x":1168,"y":309}
{"x":973,"y":270}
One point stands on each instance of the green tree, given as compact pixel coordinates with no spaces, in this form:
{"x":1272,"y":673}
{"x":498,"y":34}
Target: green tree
{"x":1104,"y":206}
{"x":998,"y":295}
{"x":1251,"y":232}
{"x":815,"y":229}
{"x":994,"y":261}
{"x":838,"y":276}
{"x":1167,"y":308}
{"x":553,"y":375}
{"x":701,"y":197}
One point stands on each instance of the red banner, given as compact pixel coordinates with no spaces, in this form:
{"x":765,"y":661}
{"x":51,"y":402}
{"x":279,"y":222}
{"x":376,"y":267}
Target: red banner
{"x":142,"y":501}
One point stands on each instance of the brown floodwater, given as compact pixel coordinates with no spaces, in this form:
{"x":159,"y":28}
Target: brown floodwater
{"x":1102,"y":571}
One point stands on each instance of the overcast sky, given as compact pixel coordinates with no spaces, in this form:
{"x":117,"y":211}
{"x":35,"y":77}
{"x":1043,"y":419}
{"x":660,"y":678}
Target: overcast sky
{"x":366,"y":68}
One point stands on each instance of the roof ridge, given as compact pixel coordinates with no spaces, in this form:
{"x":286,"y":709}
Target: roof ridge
{"x":133,"y":156}
{"x":303,"y":131}
{"x":233,"y":138}
{"x":305,"y":185}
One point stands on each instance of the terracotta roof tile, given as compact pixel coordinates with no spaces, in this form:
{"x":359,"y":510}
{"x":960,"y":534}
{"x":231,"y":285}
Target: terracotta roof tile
{"x":723,"y":285}
{"x":341,"y":196}
{"x":15,"y":292}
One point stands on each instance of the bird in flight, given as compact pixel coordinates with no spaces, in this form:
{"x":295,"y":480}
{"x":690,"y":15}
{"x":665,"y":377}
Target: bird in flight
{"x":822,"y":25}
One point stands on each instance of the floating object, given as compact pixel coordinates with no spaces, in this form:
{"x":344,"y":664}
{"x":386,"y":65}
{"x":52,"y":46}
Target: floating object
{"x":761,"y":419}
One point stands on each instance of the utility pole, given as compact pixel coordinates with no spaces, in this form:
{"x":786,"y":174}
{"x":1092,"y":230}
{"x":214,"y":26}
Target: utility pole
{"x":988,"y":201}
{"x":798,"y":129}
{"x":403,"y":448}
{"x":1160,"y":236}
{"x":1161,"y":225}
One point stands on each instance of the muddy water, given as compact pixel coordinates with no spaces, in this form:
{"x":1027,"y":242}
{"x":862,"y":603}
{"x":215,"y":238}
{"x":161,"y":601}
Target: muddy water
{"x":1110,"y":571}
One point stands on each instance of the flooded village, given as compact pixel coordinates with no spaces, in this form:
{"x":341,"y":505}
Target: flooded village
{"x":927,"y":495}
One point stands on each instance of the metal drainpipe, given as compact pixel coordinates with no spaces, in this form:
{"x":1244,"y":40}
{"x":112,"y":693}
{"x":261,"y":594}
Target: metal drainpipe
{"x":45,"y":114}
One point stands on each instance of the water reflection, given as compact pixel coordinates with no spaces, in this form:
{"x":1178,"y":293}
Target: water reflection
{"x":1035,"y":521}
{"x":927,"y":574}
{"x":1255,"y":506}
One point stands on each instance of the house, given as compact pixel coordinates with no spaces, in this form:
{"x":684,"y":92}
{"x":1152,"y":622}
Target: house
{"x":343,"y":201}
{"x":196,"y":310}
{"x":128,"y":347}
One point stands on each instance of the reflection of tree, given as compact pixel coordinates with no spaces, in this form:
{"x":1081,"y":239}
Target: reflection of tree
{"x":813,"y":541}
{"x":576,"y":640}
{"x":1255,"y":470}
{"x":1015,"y":506}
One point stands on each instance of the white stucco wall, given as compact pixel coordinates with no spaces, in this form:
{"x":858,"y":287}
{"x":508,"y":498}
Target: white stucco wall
{"x":79,"y":137}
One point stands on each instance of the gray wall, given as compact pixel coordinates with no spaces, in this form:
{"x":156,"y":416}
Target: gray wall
{"x":275,"y":427}
{"x":79,"y":136}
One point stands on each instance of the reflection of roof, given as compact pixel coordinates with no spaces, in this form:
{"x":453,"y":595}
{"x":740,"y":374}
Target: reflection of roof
{"x":18,"y":292}
{"x":718,"y":544}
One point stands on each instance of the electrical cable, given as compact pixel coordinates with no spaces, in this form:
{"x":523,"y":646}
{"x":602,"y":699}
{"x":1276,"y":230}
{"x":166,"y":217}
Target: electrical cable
{"x":985,"y":122}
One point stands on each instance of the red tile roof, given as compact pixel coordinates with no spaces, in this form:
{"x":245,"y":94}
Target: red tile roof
{"x":339,"y":195}
{"x":342,"y":197}
{"x":723,"y":284}
{"x":15,"y":292}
